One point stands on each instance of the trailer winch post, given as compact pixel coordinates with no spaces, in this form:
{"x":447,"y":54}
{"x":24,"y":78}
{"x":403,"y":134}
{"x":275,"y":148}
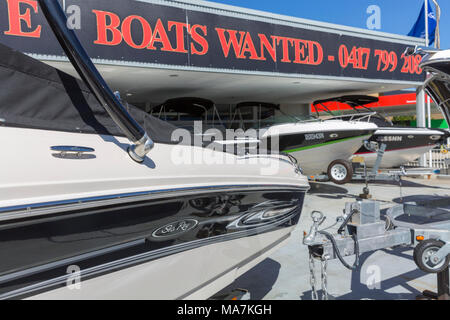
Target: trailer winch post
{"x":380,"y":153}
{"x":443,"y":293}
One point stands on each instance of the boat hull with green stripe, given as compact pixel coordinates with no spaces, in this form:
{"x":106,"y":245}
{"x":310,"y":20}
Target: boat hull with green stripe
{"x":317,"y":144}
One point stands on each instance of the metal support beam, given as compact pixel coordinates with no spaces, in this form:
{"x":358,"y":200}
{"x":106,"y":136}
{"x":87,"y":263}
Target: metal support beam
{"x":421,"y":115}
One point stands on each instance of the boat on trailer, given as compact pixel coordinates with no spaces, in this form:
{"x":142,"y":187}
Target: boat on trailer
{"x":403,"y":144}
{"x":261,"y":127}
{"x":318,"y":146}
{"x":94,"y":206}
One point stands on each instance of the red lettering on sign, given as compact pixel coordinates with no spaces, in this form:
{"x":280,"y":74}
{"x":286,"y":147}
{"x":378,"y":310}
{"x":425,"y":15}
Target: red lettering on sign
{"x":249,"y":47}
{"x":314,"y":47}
{"x":270,"y":47}
{"x":300,"y":51}
{"x":160,"y":35}
{"x":285,"y":46}
{"x":231,"y":42}
{"x":103,"y":27}
{"x":16,"y":18}
{"x":199,"y":39}
{"x":180,"y":27}
{"x":146,"y":32}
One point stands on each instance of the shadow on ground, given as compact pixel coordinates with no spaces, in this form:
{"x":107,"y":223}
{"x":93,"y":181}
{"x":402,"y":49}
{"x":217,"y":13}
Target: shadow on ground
{"x":258,"y":281}
{"x":361,"y":291}
{"x":319,"y":188}
{"x":404,"y":183}
{"x":329,"y":191}
{"x":420,"y":198}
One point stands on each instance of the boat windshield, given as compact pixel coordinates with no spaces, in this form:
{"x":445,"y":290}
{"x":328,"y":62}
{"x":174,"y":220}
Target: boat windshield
{"x":262,"y":115}
{"x":371,"y":117}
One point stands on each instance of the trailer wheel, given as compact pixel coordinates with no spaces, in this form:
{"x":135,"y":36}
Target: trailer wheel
{"x":340,"y":171}
{"x":423,"y":253}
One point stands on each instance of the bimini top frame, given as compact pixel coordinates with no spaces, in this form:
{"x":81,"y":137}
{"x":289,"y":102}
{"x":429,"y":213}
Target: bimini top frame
{"x":437,"y":63}
{"x":356,"y":102}
{"x":188,"y":106}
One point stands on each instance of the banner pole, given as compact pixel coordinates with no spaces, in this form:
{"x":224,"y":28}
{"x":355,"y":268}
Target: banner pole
{"x":427,"y":41}
{"x":437,"y":42}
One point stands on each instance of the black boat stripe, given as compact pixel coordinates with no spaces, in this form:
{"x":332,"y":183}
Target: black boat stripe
{"x":30,"y":210}
{"x":69,"y":261}
{"x":128,"y":262}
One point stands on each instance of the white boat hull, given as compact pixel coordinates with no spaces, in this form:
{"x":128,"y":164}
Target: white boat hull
{"x":30,"y":174}
{"x":116,"y":207}
{"x":317,"y":144}
{"x":196,"y":274}
{"x":396,"y":158}
{"x":316,"y":160}
{"x":403,"y":145}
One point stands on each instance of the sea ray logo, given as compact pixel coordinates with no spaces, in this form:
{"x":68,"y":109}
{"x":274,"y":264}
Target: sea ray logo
{"x":175,"y":228}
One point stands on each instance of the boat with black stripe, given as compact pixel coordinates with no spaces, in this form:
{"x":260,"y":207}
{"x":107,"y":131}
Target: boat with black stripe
{"x":98,"y":202}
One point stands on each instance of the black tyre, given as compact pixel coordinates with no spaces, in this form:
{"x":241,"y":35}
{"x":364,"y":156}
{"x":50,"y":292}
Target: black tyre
{"x":424,"y":251}
{"x":340,"y":171}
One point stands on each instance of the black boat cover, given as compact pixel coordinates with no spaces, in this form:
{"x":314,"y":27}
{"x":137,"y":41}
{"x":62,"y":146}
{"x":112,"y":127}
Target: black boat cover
{"x":36,"y":95}
{"x":353,"y":101}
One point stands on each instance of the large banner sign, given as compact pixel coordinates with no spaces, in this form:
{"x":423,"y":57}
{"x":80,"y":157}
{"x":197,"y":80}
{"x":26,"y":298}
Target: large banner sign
{"x":142,"y":32}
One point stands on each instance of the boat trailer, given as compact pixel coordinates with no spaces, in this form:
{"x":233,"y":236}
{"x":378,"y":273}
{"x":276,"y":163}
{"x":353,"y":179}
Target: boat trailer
{"x":360,"y":172}
{"x":424,"y":226}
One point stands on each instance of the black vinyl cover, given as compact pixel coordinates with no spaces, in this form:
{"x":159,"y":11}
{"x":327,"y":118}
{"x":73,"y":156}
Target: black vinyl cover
{"x":36,"y":95}
{"x":353,"y":101}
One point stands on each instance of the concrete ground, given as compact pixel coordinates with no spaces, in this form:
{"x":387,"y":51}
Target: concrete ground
{"x":285,"y":275}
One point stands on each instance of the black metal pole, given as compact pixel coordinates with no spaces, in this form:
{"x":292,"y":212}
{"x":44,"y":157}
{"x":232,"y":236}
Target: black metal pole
{"x":443,"y":284}
{"x":81,"y":61}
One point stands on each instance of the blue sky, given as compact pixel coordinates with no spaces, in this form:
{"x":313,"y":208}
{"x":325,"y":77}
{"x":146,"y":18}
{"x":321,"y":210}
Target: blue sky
{"x":397,"y":16}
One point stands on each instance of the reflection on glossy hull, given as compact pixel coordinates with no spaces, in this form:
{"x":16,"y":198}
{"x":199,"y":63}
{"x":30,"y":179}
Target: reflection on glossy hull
{"x":109,"y":238}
